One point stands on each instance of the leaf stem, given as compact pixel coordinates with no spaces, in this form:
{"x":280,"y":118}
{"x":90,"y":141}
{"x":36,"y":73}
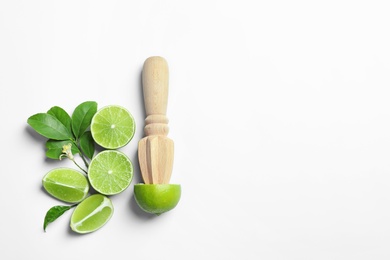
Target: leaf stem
{"x":81,"y":154}
{"x":82,"y":157}
{"x":80,"y":167}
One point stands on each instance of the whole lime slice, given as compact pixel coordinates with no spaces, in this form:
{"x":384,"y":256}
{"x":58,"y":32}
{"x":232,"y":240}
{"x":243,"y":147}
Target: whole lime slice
{"x":110,"y":172}
{"x":112,"y":127}
{"x":91,"y":214}
{"x":157,"y":198}
{"x":66,"y":184}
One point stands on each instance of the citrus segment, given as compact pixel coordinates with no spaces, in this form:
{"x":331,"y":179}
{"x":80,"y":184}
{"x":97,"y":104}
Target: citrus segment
{"x":66,"y":184}
{"x":91,"y":214}
{"x":110,"y":172}
{"x":112,"y":127}
{"x":157,"y":198}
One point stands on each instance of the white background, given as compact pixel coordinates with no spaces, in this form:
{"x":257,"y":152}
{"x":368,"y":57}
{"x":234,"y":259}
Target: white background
{"x":279,"y":110}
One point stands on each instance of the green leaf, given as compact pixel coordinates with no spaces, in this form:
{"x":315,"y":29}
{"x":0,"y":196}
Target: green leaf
{"x":49,"y":126}
{"x":87,"y":144}
{"x":54,"y":213}
{"x":54,"y":148}
{"x":62,"y":116}
{"x":82,"y":116}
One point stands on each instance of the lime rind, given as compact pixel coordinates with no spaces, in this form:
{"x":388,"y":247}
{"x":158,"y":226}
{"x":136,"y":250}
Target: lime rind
{"x":66,"y":184}
{"x":157,"y":198}
{"x":91,"y":214}
{"x":110,"y":172}
{"x":112,"y":127}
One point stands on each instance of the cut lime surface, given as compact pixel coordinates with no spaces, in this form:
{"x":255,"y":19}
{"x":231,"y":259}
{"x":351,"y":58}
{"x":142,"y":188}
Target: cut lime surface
{"x":157,"y":198}
{"x":91,"y":214}
{"x":66,"y":184}
{"x":110,"y":172}
{"x":112,"y":127}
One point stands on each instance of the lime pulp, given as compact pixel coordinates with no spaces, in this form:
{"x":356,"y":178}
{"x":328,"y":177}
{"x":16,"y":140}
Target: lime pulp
{"x":66,"y":184}
{"x":110,"y":172}
{"x":112,"y":127}
{"x":91,"y":214}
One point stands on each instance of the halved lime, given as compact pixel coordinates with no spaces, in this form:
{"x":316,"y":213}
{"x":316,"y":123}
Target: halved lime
{"x":157,"y":198}
{"x":110,"y":172}
{"x":66,"y":184}
{"x":91,"y":214}
{"x":112,"y":127}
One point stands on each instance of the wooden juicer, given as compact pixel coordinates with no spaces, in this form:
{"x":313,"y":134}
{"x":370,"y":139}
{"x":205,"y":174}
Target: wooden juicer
{"x":155,"y":150}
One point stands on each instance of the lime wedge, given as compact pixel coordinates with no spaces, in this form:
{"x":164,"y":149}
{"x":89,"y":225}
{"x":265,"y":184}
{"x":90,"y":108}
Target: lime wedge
{"x":157,"y":198}
{"x":112,"y":127}
{"x":91,"y":214}
{"x":110,"y":172}
{"x":66,"y":184}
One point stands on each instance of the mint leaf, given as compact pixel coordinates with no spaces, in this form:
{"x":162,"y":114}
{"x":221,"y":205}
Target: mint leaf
{"x":54,"y":213}
{"x":62,"y":116}
{"x":54,"y":148}
{"x":82,"y":116}
{"x":49,"y":126}
{"x":87,"y":144}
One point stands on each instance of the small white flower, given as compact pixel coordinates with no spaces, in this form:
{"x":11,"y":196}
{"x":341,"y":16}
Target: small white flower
{"x":67,"y":151}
